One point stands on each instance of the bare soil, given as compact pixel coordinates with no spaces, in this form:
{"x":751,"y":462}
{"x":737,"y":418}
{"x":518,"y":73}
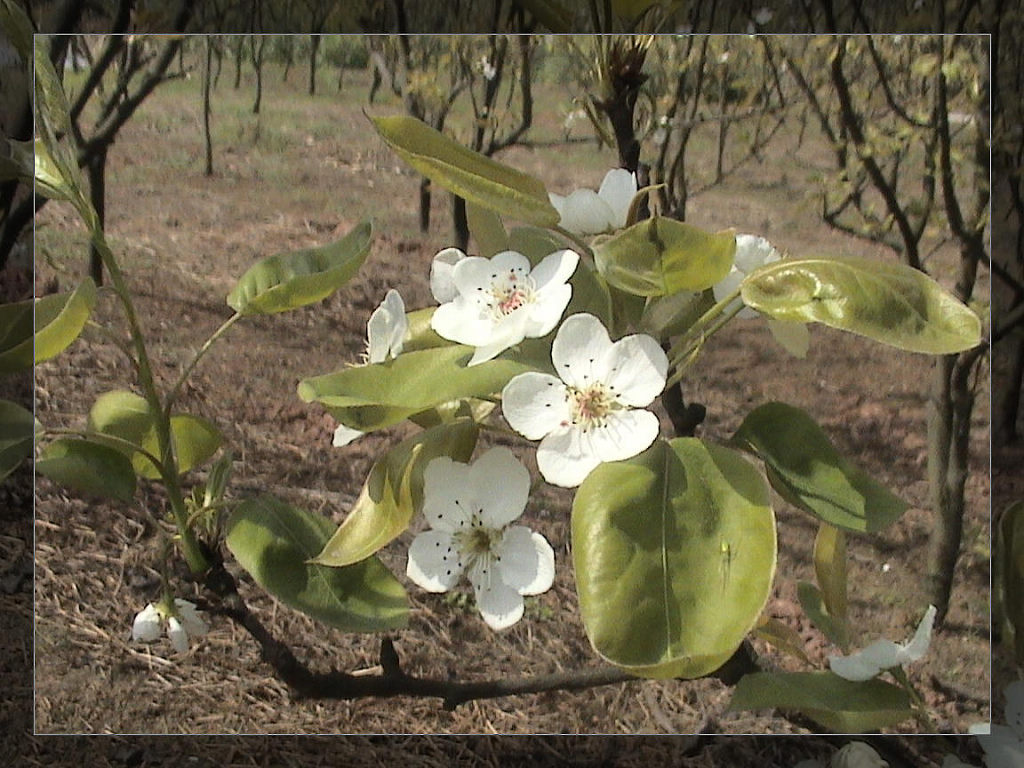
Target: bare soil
{"x":302,"y":173}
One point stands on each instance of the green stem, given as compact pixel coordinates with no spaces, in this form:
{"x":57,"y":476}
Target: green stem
{"x":699,"y":332}
{"x":167,"y":464}
{"x":176,"y":389}
{"x":920,"y":709}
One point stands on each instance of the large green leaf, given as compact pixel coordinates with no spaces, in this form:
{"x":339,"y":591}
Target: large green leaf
{"x":674,"y":554}
{"x":659,"y":256}
{"x":291,"y":280}
{"x":840,"y":705}
{"x":891,"y":303}
{"x":805,"y":469}
{"x":127,"y":416}
{"x":813,"y":603}
{"x":394,"y":490}
{"x":88,"y":468}
{"x":468,"y":174}
{"x":194,"y":438}
{"x":368,"y":397}
{"x":274,"y":542}
{"x":487,"y":230}
{"x":58,"y":320}
{"x":17,"y":435}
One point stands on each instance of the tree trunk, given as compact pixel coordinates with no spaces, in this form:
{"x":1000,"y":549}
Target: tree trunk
{"x":424,"y":204}
{"x":207,"y":77}
{"x":1008,"y":407}
{"x":949,"y":424}
{"x":239,"y":49}
{"x":314,"y":47}
{"x":97,"y":170}
{"x":258,"y":66}
{"x":460,"y":224}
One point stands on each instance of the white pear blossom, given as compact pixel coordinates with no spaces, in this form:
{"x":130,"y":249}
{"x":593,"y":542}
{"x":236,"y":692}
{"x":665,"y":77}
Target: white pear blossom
{"x":180,"y":622}
{"x":442,"y":283}
{"x":883,"y":654}
{"x":856,"y":754}
{"x":586,"y":212}
{"x":593,"y":411}
{"x":500,"y":301}
{"x":487,"y":69}
{"x":1004,"y":744}
{"x":385,"y":337}
{"x":471,"y":509}
{"x":753,"y":252}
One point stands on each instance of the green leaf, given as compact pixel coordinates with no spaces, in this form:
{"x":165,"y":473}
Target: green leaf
{"x":891,"y":303}
{"x":127,"y":416}
{"x":813,"y":603}
{"x":298,"y":278}
{"x":195,"y":440}
{"x":667,"y":316}
{"x":487,"y":230}
{"x":88,"y":468}
{"x":468,"y":174}
{"x":17,"y":435}
{"x":17,"y":28}
{"x":782,"y":636}
{"x":674,"y":553}
{"x":274,"y":541}
{"x":803,"y":466}
{"x":659,"y":256}
{"x":839,"y":705}
{"x":59,"y":319}
{"x":830,"y":570}
{"x":394,"y":490}
{"x":369,"y":397}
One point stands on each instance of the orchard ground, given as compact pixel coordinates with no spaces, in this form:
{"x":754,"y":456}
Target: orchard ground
{"x":302,"y":173}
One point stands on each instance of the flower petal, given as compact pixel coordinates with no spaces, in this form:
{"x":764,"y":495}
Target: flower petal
{"x":555,"y":268}
{"x":1014,"y":712}
{"x":178,"y":635}
{"x":444,"y":486}
{"x":793,"y":335}
{"x":853,"y":667}
{"x":624,"y":434}
{"x":499,"y":604}
{"x":534,"y":404}
{"x":442,"y":283}
{"x":618,"y":190}
{"x":386,"y":329}
{"x":504,"y":333}
{"x":344,"y":435}
{"x":585,"y":213}
{"x":541,"y":317}
{"x":634,"y":369}
{"x":753,"y":252}
{"x":190,"y":618}
{"x":525,"y":560}
{"x":727,"y":285}
{"x":434,"y":561}
{"x":564,"y":459}
{"x":476,"y":272}
{"x":1004,"y":747}
{"x":146,"y":626}
{"x":500,"y":485}
{"x":580,"y":341}
{"x":462,"y":321}
{"x":918,"y":646}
